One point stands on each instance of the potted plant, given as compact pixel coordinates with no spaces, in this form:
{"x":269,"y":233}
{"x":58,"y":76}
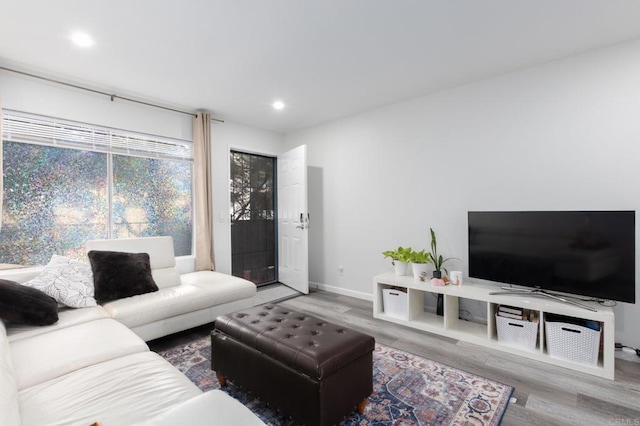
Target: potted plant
{"x":419,"y":262}
{"x":400,"y":258}
{"x":436,"y":259}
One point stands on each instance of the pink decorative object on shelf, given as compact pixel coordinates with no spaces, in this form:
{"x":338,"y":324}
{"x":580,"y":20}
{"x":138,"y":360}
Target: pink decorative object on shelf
{"x":439,"y":282}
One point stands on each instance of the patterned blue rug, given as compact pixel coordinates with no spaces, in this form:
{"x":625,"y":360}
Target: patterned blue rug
{"x":407,"y":390}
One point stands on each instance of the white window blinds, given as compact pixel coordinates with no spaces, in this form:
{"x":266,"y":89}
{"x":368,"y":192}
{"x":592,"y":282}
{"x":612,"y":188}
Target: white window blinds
{"x":22,"y":127}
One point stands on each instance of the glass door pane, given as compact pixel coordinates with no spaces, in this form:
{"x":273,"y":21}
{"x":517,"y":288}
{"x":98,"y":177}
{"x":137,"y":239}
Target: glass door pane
{"x":253,"y":225}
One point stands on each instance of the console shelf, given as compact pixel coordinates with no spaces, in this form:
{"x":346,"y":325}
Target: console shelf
{"x":449,"y":324}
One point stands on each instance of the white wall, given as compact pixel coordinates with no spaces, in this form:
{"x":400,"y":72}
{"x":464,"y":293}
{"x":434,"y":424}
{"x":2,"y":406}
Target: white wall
{"x":39,"y":97}
{"x":562,"y":136}
{"x":225,"y":137}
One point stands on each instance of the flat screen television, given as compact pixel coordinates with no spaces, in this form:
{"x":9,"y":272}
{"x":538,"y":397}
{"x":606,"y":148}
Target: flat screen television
{"x":586,"y":253}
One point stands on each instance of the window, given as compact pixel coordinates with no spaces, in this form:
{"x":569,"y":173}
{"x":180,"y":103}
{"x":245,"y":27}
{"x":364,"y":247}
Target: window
{"x":65,"y":183}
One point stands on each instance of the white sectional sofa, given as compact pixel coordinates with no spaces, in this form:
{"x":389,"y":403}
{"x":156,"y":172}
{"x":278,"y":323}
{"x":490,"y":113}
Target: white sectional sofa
{"x":100,"y":371}
{"x":183,"y":301}
{"x":93,"y":364}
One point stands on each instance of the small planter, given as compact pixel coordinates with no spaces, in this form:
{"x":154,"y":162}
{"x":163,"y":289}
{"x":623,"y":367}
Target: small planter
{"x":420,"y":271}
{"x":400,"y":267}
{"x":399,"y":259}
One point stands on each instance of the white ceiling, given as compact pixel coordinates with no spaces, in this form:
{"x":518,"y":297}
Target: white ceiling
{"x":325,"y":59}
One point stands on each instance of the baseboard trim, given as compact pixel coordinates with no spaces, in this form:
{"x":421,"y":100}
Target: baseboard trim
{"x":342,"y":291}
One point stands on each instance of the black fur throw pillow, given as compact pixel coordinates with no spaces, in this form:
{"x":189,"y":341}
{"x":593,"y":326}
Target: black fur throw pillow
{"x":118,"y":274}
{"x":26,"y":305}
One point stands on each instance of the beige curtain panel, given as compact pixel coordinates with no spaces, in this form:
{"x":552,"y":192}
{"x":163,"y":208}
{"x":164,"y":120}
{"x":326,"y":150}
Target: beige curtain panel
{"x":203,"y":192}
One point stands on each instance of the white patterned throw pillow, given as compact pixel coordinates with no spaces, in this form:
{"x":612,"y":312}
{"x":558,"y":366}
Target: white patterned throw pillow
{"x":68,"y":281}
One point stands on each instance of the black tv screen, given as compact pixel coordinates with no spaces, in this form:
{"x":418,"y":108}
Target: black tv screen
{"x":586,"y":253}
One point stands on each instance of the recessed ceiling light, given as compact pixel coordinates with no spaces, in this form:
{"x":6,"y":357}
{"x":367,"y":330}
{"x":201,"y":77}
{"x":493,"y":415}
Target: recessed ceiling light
{"x":278,"y":105}
{"x":81,"y":39}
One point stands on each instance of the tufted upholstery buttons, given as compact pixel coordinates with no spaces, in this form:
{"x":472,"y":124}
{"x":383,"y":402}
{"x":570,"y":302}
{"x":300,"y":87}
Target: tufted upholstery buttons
{"x":309,"y":344}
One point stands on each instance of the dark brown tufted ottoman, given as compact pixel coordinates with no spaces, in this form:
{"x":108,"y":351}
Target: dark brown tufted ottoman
{"x":309,"y":369}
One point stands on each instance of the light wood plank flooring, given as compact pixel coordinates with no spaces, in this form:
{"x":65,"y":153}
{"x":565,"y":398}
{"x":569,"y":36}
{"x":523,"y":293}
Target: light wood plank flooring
{"x":546,"y":394}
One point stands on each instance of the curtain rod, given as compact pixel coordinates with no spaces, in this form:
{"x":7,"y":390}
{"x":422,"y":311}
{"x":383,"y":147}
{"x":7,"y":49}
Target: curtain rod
{"x":113,"y":96}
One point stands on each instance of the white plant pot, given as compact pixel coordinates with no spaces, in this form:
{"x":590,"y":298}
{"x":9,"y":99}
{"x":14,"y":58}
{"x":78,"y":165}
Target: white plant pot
{"x":420,"y":271}
{"x":400,"y":267}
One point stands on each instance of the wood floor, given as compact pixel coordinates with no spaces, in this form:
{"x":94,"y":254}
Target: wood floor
{"x":546,"y":395}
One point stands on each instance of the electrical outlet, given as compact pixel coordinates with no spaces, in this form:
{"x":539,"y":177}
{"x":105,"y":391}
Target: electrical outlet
{"x":341,"y":271}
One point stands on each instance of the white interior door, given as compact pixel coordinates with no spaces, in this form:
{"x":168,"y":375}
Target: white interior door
{"x":293,"y":220}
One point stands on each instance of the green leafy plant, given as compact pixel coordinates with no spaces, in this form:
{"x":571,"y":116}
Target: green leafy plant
{"x":434,"y":258}
{"x":400,"y":254}
{"x":419,"y":257}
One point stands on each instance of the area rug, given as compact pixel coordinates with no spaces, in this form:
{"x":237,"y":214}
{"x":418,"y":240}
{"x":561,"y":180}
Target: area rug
{"x":407,"y":390}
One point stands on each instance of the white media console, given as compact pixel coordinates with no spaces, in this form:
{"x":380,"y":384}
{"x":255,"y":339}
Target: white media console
{"x":449,"y":324}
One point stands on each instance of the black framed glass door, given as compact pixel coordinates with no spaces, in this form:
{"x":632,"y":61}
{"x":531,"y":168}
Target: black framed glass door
{"x":253,"y":217}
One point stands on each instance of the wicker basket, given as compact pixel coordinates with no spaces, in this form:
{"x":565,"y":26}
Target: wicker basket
{"x":520,"y":333}
{"x":573,"y":342}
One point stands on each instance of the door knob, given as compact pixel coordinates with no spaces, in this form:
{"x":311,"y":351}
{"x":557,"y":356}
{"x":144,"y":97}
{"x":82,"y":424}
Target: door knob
{"x":304,"y":222}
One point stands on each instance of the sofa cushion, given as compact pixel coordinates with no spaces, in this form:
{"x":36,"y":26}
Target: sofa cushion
{"x":170,"y":302}
{"x":66,"y":318}
{"x":212,"y":279}
{"x":166,"y":277}
{"x":21,"y":275}
{"x":50,"y":355}
{"x":26,"y":305}
{"x":200,"y":411}
{"x":118,"y":274}
{"x":67,"y":280}
{"x":9,"y":403}
{"x":121,"y":391}
{"x":160,"y":250}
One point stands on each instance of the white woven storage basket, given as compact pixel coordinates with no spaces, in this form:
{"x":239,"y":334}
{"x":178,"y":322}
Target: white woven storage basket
{"x":572,"y":342}
{"x":521,"y":333}
{"x":394,"y":303}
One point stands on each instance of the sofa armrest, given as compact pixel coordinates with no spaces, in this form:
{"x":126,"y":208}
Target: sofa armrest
{"x":214,"y":407}
{"x":9,"y":400}
{"x":212,"y":278}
